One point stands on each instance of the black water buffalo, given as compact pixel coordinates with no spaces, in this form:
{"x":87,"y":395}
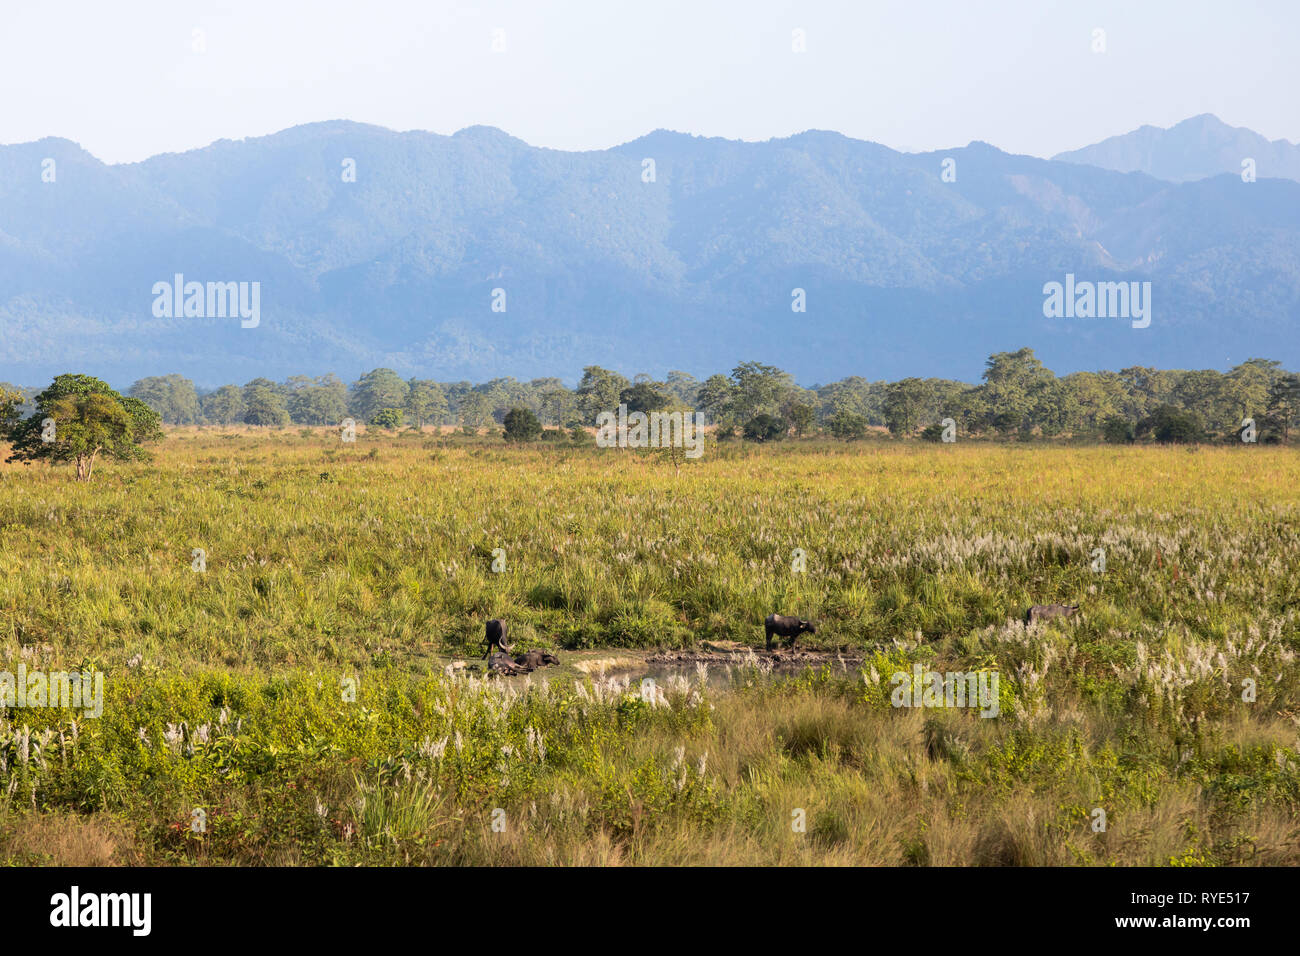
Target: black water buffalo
{"x":496,"y":637}
{"x":502,"y":664}
{"x":1045,"y":612}
{"x":535,"y":659}
{"x":782,"y":625}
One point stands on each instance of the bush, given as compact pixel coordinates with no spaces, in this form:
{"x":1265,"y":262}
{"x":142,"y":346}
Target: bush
{"x":388,"y":418}
{"x":932,"y":432}
{"x":1171,"y":425}
{"x":847,"y":425}
{"x":521,"y":425}
{"x":1117,"y":430}
{"x":765,"y":428}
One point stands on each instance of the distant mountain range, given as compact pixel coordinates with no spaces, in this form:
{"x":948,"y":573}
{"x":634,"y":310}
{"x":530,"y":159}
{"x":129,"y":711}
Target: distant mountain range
{"x":1196,"y":148}
{"x":689,"y":263}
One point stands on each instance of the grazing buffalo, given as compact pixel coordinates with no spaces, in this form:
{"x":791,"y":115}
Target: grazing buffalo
{"x":1045,"y":612}
{"x":535,"y":659}
{"x":781,"y":625}
{"x":496,"y":637}
{"x":502,"y":664}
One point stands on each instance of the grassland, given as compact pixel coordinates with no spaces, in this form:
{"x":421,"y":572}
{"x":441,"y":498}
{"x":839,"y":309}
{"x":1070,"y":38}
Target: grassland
{"x":373,"y":562}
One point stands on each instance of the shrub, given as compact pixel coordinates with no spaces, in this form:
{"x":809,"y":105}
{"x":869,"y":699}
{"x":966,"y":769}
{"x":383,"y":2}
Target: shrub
{"x":765,"y":428}
{"x":521,"y":425}
{"x":847,"y":425}
{"x":1117,"y":430}
{"x":1171,"y":425}
{"x":388,"y":418}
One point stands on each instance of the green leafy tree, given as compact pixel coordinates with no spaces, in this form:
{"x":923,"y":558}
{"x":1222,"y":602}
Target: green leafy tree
{"x":171,"y":396}
{"x":475,"y":411}
{"x":715,"y":399}
{"x":1117,"y":430}
{"x":645,"y":397}
{"x":1013,"y":391}
{"x":758,"y":389}
{"x":387,"y":418}
{"x":1144,"y":390}
{"x":316,"y":401}
{"x":1247,"y":387}
{"x":905,"y":404}
{"x":560,"y":407}
{"x":683,"y":388}
{"x":521,"y":425}
{"x":426,"y":402}
{"x":598,"y":391}
{"x":264,"y":405}
{"x":857,"y":395}
{"x":1282,"y":408}
{"x":765,"y":428}
{"x":80,"y":418}
{"x":378,"y":389}
{"x":1169,"y":424}
{"x":1052,"y":406}
{"x":1095,"y":396}
{"x":225,"y":406}
{"x":800,"y":415}
{"x":11,"y":399}
{"x":847,"y":426}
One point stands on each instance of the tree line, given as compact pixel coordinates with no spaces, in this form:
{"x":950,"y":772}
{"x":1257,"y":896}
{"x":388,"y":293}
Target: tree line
{"x":1017,"y":397}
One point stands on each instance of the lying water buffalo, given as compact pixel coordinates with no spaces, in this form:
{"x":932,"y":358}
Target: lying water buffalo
{"x":502,"y":664}
{"x":782,"y":625}
{"x":535,"y":659}
{"x":496,"y":637}
{"x":1045,"y":612}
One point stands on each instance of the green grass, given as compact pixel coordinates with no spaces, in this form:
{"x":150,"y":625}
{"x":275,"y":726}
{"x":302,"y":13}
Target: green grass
{"x":374,"y":562}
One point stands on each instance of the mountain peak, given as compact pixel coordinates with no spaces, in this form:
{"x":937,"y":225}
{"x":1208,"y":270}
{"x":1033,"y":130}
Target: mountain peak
{"x":489,"y":135}
{"x":1198,"y":147}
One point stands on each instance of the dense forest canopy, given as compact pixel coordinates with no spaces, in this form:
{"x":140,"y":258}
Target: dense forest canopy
{"x":1018,"y":397}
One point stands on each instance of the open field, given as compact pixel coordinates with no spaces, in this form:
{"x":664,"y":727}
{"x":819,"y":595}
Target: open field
{"x":373,"y":562}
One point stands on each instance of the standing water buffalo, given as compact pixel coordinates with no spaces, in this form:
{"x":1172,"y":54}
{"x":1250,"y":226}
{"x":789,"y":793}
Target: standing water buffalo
{"x":496,"y":637}
{"x":1045,"y":612}
{"x":782,"y":625}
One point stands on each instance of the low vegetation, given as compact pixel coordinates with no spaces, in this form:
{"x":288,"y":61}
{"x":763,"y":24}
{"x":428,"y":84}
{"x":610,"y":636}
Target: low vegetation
{"x":278,"y":615}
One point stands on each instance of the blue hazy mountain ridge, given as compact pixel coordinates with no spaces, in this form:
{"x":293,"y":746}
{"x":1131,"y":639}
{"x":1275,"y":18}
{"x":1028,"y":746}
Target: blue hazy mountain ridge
{"x":1196,"y":148}
{"x":904,"y":273}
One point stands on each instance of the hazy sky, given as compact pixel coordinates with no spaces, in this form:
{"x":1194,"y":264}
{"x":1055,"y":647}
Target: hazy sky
{"x":125,"y":81}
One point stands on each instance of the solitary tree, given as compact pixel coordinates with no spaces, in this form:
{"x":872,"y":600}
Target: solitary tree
{"x":78,"y":419}
{"x":522,"y":425}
